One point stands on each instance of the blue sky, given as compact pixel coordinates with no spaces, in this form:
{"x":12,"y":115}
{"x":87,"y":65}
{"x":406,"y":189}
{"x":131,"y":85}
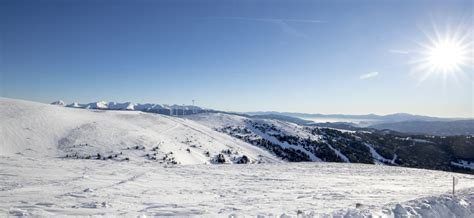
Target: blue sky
{"x":352,"y":57}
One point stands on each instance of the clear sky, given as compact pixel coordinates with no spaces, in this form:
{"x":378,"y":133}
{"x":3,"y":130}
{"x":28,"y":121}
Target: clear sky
{"x":334,"y":56}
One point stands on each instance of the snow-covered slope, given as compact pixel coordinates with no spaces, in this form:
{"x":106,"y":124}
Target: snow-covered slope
{"x":49,"y":167}
{"x":290,"y":141}
{"x":35,"y":129}
{"x":295,"y":143}
{"x":261,"y":129}
{"x":50,"y":130}
{"x":57,"y":187}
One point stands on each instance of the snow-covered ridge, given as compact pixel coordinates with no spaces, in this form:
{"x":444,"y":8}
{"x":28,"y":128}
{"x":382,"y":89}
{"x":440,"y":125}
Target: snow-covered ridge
{"x":114,"y":131}
{"x":295,"y":143}
{"x":129,"y":106}
{"x":41,"y":130}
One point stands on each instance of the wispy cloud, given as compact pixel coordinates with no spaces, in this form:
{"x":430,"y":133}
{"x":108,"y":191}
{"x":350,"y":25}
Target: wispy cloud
{"x":282,"y":23}
{"x":399,"y":51}
{"x":369,"y":75}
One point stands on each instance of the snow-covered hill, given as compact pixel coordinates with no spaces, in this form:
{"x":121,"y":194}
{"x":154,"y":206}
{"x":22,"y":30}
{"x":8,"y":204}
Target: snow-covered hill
{"x":49,"y":158}
{"x":293,"y":142}
{"x":35,"y":129}
{"x":39,"y":129}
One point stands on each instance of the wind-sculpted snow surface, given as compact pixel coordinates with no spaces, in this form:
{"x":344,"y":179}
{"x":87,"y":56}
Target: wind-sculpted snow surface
{"x":53,"y":187}
{"x":446,"y":205}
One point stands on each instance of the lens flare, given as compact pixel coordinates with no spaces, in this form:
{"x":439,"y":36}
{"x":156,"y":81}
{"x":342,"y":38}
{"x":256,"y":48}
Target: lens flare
{"x":447,"y":55}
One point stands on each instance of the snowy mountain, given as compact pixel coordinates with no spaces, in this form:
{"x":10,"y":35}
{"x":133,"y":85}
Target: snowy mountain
{"x":35,"y":129}
{"x":152,"y":108}
{"x":293,"y":142}
{"x":59,"y":102}
{"x":95,"y":162}
{"x":213,"y":138}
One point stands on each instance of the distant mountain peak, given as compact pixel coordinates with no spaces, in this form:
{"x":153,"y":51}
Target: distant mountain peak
{"x":58,"y":102}
{"x":129,"y":106}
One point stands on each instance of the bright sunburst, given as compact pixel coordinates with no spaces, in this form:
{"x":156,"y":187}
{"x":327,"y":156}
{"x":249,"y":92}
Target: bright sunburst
{"x":445,"y":55}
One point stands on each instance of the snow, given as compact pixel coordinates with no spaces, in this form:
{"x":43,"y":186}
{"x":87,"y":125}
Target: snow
{"x":121,"y":106}
{"x":378,"y":159}
{"x":220,"y":120}
{"x":464,"y":164}
{"x":59,"y":102}
{"x":339,"y":154}
{"x":422,"y":141}
{"x":36,"y":179}
{"x":35,"y":129}
{"x":284,"y":144}
{"x":445,"y":205}
{"x":75,"y":105}
{"x":55,"y":187}
{"x":416,"y":140}
{"x":104,"y":105}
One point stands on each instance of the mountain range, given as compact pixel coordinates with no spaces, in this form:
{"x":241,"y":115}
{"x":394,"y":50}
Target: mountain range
{"x":400,"y":122}
{"x":115,"y":160}
{"x":129,"y":106}
{"x":215,"y":137}
{"x":361,"y":120}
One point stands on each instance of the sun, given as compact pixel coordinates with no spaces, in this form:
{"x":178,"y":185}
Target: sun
{"x":445,"y":55}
